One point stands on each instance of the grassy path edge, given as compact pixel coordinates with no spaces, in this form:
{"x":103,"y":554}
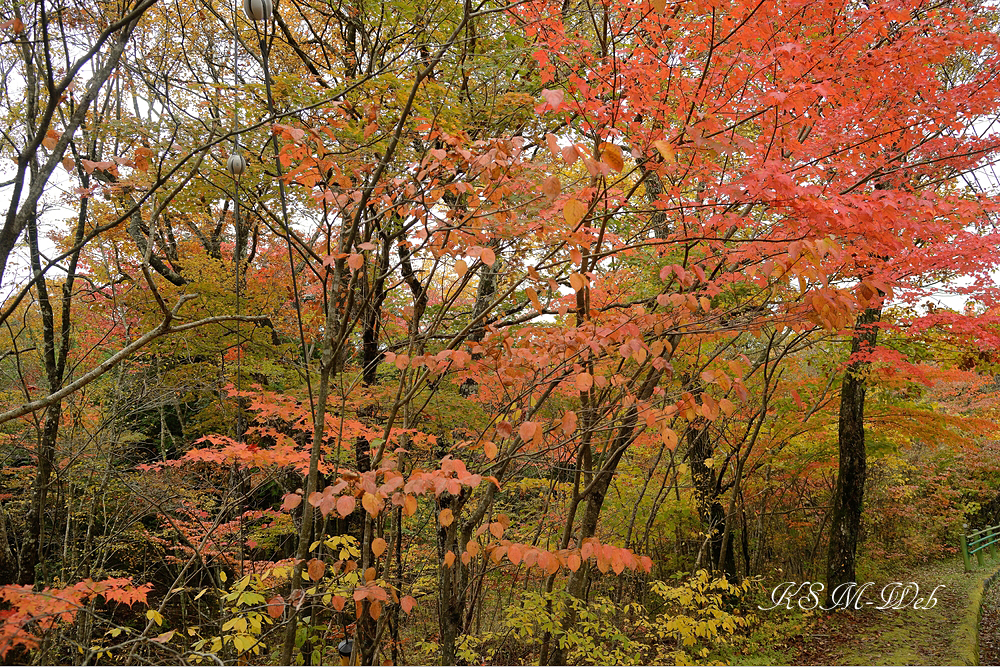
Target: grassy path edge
{"x":973,"y":615}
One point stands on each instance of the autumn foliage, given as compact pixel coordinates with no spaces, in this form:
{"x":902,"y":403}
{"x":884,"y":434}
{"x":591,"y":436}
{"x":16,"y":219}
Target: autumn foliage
{"x":516,"y":313}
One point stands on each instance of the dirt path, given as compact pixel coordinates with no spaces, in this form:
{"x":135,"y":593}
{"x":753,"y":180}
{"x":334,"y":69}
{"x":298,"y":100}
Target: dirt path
{"x":942,"y":635}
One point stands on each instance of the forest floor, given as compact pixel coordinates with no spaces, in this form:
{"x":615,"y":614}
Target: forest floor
{"x":946,"y":634}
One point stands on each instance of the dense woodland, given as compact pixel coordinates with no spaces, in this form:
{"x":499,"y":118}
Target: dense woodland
{"x":482,"y":332}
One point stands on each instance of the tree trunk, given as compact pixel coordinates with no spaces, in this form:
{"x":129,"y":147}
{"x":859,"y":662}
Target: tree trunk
{"x":848,"y":496}
{"x":371,"y":306}
{"x":710,"y":509}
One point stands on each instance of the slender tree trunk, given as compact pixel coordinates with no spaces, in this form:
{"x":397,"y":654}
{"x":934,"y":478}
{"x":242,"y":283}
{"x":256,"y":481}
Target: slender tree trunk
{"x":372,"y":317}
{"x":848,"y":496}
{"x":30,"y":552}
{"x":710,"y":509}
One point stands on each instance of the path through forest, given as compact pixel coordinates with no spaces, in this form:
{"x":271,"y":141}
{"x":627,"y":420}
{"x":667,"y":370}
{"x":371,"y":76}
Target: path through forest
{"x":942,"y":635}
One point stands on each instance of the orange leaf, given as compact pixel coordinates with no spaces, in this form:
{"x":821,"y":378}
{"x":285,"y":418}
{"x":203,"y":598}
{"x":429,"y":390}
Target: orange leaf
{"x":490,"y":449}
{"x":669,"y":438}
{"x":496,"y":529}
{"x":346,"y":505}
{"x":446,"y":518}
{"x":577,"y":281}
{"x":291,"y":501}
{"x":527,"y":430}
{"x":449,"y":559}
{"x":569,"y":422}
{"x":461,"y":267}
{"x":16,"y":26}
{"x":551,"y":186}
{"x":371,"y":503}
{"x":532,"y":294}
{"x":51,"y":139}
{"x":355,"y":261}
{"x":378,"y":547}
{"x":573,"y":562}
{"x":665,"y":148}
{"x":584,"y":381}
{"x":488,"y":256}
{"x":514,"y":554}
{"x":275,"y":606}
{"x":407,"y":603}
{"x":316,"y":568}
{"x":553,"y":143}
{"x":409,"y":505}
{"x":543,"y":559}
{"x":611,"y":155}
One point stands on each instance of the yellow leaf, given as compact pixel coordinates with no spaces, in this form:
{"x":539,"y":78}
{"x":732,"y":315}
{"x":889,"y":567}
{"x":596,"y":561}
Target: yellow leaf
{"x":574,"y":211}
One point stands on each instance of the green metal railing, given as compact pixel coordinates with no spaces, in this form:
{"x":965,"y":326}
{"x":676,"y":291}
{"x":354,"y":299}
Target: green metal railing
{"x":976,"y":542}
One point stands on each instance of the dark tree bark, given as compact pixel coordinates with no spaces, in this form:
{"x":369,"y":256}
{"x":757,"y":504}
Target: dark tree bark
{"x":710,"y":509}
{"x":848,"y":496}
{"x":371,"y":304}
